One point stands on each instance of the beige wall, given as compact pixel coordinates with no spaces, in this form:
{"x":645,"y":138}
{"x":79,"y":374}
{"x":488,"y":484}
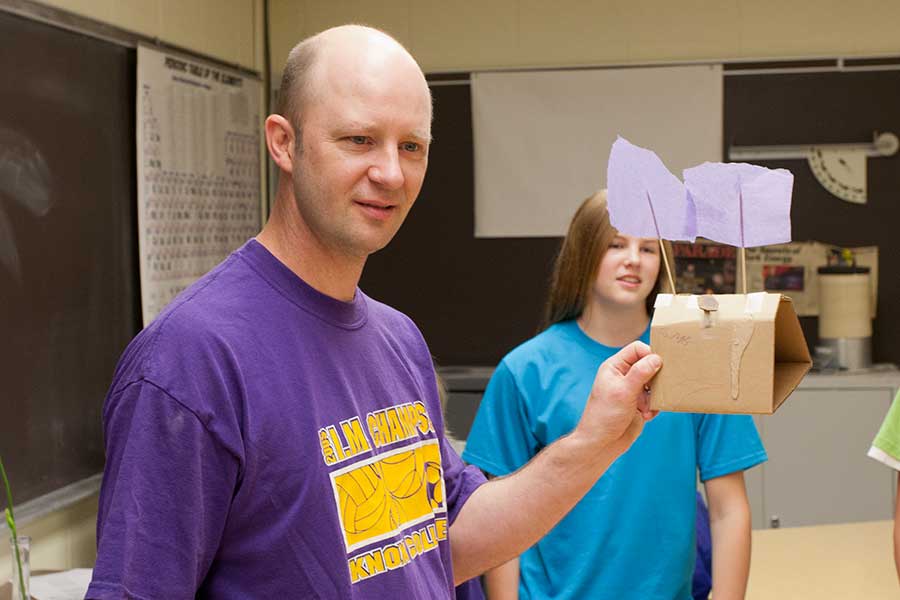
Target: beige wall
{"x":229,"y":30}
{"x":480,"y":34}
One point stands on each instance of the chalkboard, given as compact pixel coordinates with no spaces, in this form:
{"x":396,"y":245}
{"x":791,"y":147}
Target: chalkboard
{"x":824,"y":108}
{"x":69,"y":301}
{"x":475,"y":299}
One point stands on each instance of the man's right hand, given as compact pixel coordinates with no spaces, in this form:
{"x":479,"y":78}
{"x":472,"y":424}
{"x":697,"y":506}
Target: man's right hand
{"x":619,"y":402}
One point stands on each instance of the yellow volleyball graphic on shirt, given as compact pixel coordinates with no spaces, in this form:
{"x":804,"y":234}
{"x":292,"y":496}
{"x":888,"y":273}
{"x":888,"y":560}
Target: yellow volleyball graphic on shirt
{"x":402,"y":473}
{"x":386,"y":494}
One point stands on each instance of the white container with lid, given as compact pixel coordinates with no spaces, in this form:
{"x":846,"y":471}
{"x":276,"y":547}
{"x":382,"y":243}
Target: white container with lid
{"x":845,"y":321}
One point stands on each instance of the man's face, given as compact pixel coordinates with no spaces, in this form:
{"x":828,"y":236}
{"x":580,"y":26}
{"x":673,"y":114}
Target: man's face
{"x":365,"y":137}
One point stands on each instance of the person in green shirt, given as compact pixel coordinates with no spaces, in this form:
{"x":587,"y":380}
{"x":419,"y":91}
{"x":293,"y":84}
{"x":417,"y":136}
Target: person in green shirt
{"x":886,"y":449}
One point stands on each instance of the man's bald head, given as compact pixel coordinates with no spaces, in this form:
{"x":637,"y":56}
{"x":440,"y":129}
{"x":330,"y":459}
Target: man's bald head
{"x":343,"y":45}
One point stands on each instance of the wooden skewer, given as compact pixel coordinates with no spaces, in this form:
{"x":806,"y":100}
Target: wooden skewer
{"x":744,"y":268}
{"x":743,"y":250}
{"x":662,"y":248}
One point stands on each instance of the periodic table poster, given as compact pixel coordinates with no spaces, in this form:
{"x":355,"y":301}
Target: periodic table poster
{"x":198,"y":144}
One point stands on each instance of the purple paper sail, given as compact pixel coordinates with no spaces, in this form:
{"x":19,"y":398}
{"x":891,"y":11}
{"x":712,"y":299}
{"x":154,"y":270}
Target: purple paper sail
{"x":644,"y":198}
{"x":741,"y":205}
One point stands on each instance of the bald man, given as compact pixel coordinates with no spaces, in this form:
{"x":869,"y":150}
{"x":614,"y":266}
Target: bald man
{"x":275,"y":433}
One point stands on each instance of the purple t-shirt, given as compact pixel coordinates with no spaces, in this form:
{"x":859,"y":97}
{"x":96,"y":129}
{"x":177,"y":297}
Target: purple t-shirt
{"x":264,"y":440}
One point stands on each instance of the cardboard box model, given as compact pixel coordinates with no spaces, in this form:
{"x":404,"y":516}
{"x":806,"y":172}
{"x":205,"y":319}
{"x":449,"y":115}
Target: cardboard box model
{"x":729,"y":353}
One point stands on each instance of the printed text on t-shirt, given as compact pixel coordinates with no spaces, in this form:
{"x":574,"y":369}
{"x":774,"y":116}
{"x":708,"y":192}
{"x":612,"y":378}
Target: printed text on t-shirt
{"x":394,"y":424}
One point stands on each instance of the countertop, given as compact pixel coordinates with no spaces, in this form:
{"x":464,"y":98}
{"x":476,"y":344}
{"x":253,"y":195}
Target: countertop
{"x":824,"y":562}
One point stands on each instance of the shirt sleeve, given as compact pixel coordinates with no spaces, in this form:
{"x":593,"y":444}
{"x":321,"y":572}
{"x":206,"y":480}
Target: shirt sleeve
{"x":502,"y":438}
{"x":166,"y":492}
{"x":727,"y":444}
{"x":460,"y":480}
{"x":886,"y":445}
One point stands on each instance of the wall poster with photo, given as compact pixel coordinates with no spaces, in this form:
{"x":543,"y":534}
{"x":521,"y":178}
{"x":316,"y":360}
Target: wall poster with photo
{"x":791,"y":269}
{"x":705,"y":268}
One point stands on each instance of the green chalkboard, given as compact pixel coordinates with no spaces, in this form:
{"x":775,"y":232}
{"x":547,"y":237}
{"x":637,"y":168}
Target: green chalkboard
{"x":69,"y":298}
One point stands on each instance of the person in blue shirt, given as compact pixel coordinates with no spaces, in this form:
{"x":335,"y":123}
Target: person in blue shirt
{"x":633,"y":534}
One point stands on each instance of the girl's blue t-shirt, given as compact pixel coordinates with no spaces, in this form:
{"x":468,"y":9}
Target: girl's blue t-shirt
{"x":633,"y":534}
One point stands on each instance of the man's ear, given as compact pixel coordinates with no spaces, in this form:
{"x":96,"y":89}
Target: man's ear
{"x":280,"y":142}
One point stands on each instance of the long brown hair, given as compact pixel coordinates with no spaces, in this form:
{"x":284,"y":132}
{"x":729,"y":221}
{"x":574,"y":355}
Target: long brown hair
{"x":589,"y":236}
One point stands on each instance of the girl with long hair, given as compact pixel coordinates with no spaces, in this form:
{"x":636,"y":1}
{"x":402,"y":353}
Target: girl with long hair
{"x":633,"y":534}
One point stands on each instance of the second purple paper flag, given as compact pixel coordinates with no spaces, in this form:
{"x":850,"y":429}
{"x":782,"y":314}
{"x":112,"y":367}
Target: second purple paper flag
{"x":740,"y":204}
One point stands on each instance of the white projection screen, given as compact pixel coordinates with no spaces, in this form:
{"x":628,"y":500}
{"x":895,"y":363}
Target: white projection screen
{"x":542,"y":138}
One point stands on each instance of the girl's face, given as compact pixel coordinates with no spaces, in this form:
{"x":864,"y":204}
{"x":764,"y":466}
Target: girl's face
{"x":627,"y":272}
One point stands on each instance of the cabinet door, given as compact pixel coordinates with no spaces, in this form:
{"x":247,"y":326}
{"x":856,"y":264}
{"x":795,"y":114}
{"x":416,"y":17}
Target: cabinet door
{"x":818,"y":471}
